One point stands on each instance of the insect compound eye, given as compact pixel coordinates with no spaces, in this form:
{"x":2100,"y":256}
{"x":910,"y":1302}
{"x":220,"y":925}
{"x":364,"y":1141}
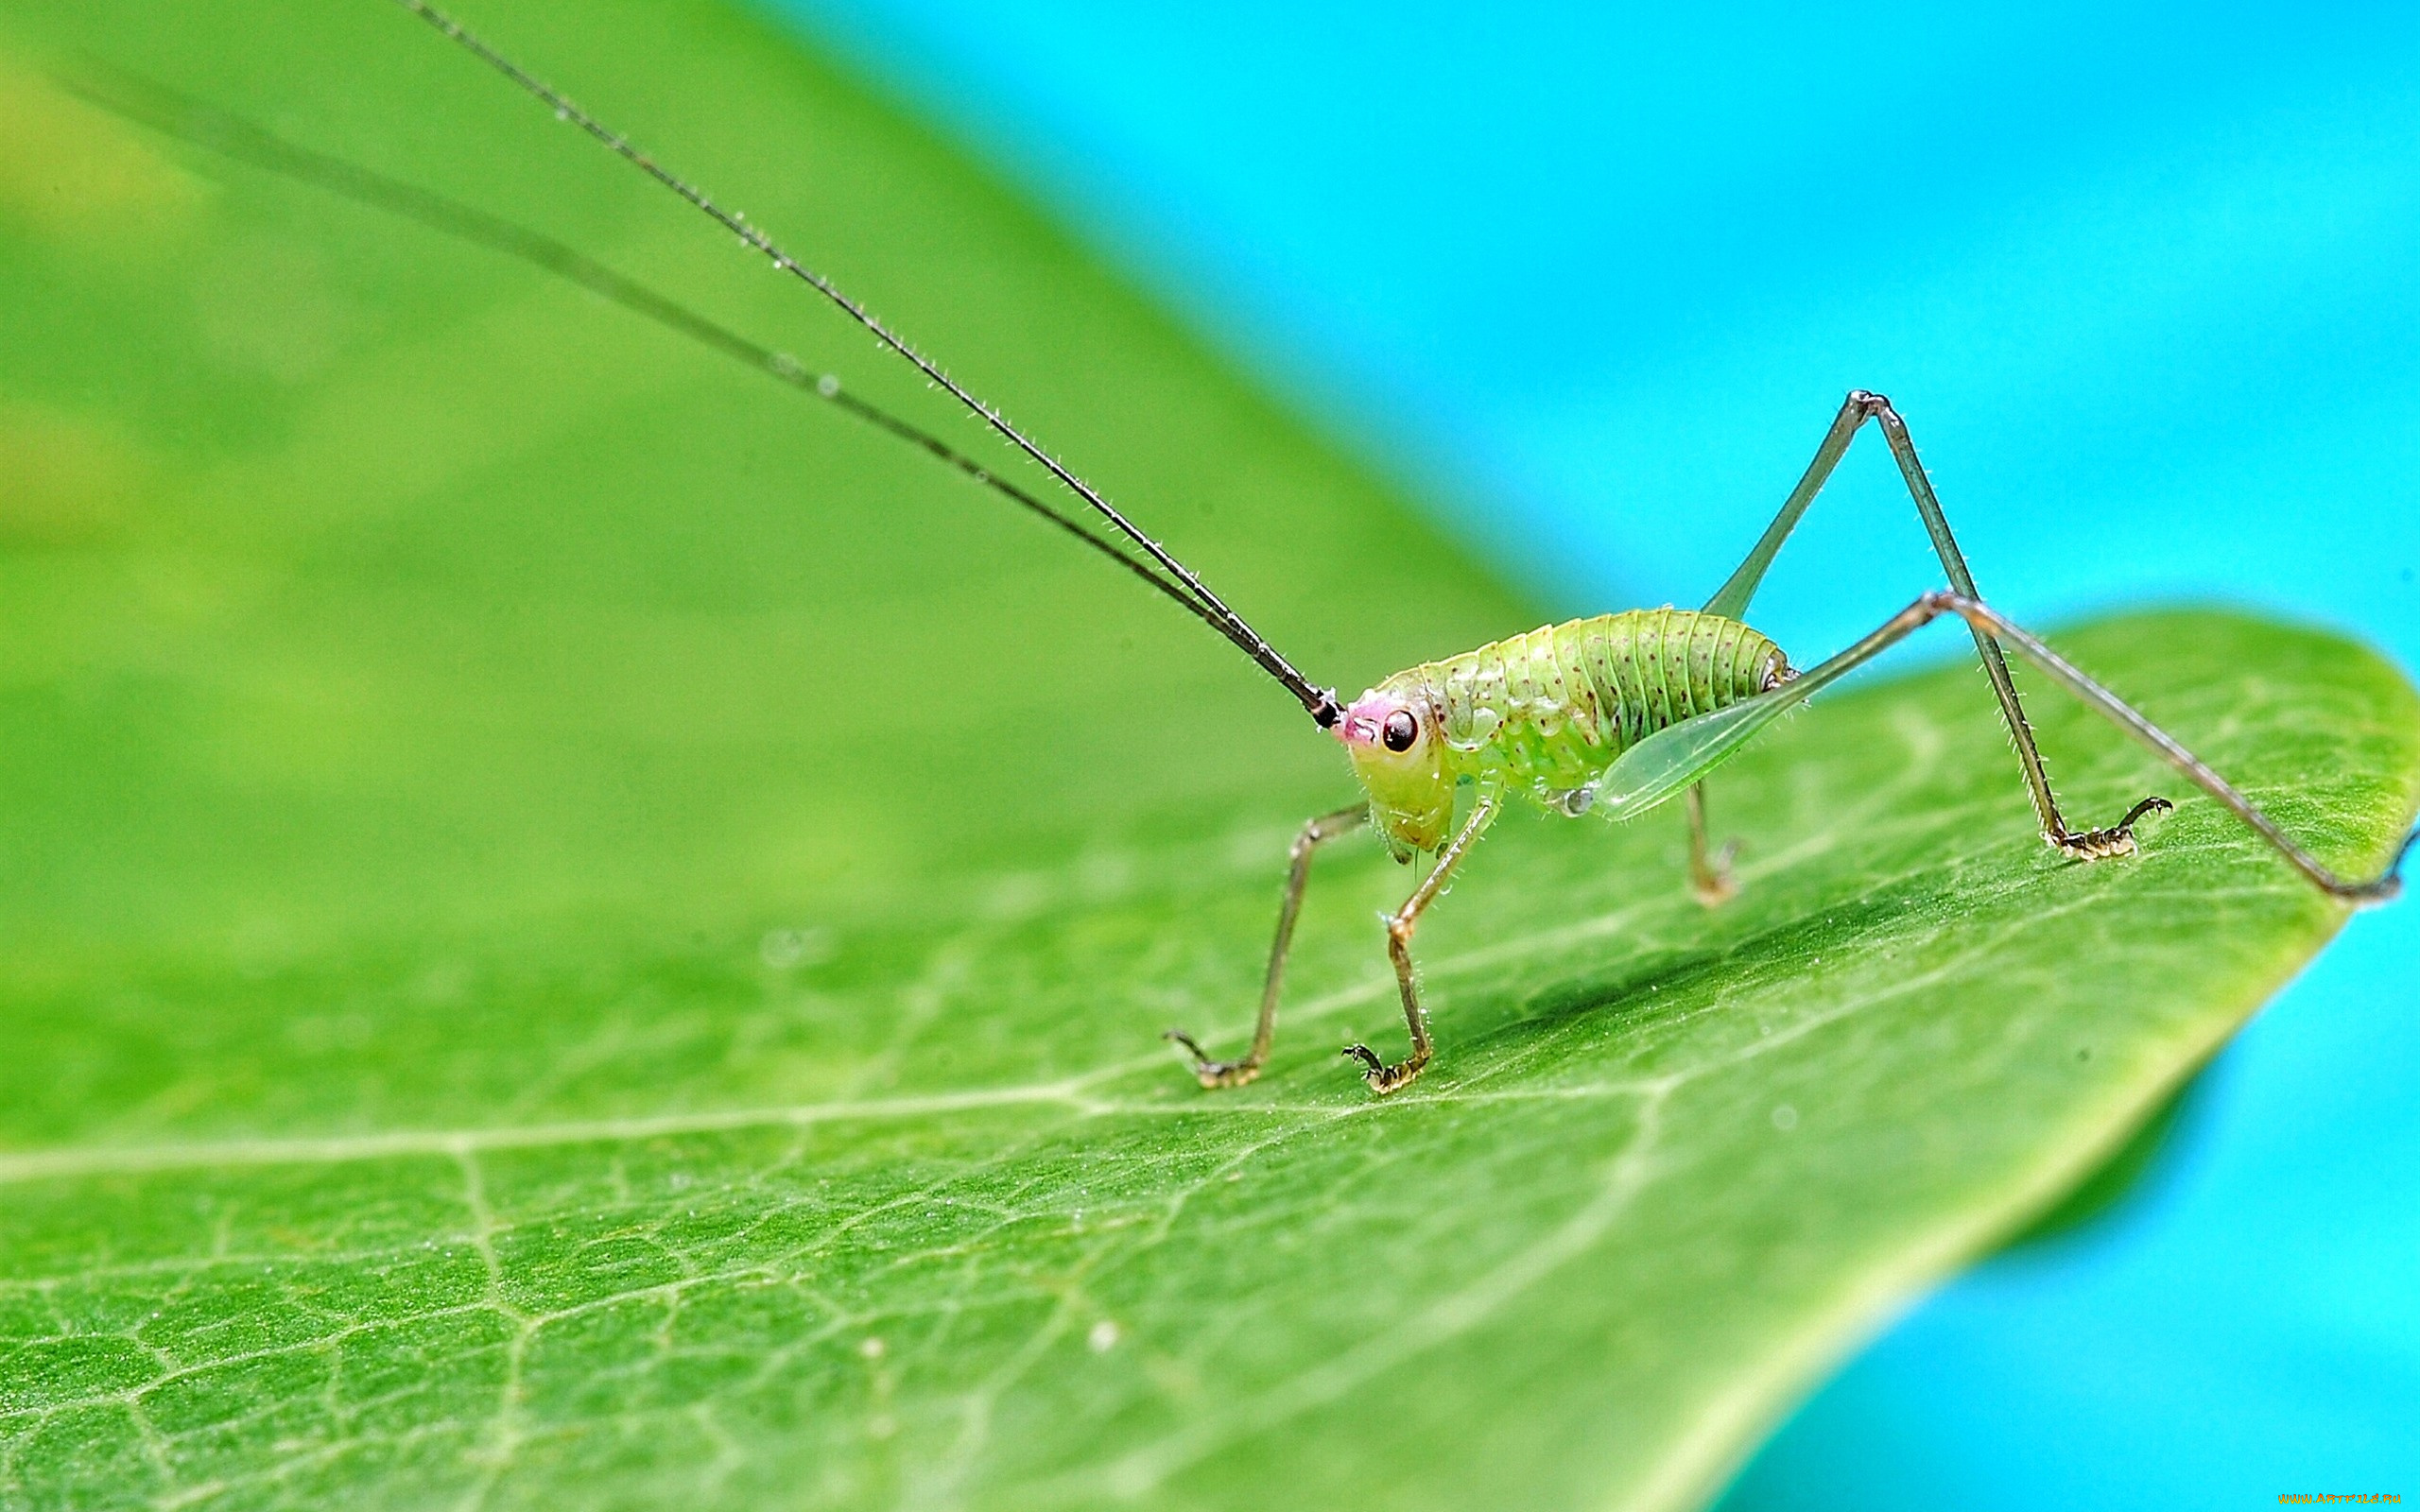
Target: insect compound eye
{"x":1401,"y":730}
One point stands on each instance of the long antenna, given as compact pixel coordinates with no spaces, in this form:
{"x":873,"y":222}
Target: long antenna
{"x":179,"y":116}
{"x":1319,"y":702}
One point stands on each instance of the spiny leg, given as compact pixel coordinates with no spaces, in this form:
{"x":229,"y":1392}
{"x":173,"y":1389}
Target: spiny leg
{"x":1659,"y":766}
{"x":1213,"y":1073}
{"x":1731,"y":601}
{"x":1382,"y":1077}
{"x":2118,"y":711}
{"x":1710,"y":879}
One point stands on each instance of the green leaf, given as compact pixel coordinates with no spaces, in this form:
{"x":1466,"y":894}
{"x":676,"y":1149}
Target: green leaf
{"x":577,"y":931}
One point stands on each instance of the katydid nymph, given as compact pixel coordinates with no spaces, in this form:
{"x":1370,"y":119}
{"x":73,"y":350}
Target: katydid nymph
{"x":1612,"y":715}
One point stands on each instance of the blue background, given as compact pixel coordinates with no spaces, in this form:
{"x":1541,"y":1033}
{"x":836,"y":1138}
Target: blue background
{"x":2146,"y":282}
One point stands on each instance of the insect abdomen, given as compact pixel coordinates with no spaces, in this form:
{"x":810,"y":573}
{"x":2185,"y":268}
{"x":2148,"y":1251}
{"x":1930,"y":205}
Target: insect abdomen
{"x":1550,"y":709}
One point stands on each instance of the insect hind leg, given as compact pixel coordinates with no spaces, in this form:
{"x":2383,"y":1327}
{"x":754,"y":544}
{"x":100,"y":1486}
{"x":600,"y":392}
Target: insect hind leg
{"x":1732,"y":599}
{"x":2119,"y":839}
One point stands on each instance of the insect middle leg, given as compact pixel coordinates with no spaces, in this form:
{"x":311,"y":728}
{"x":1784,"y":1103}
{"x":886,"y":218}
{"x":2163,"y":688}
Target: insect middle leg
{"x":1214,"y":1073}
{"x":1710,"y":879}
{"x":1382,"y":1077}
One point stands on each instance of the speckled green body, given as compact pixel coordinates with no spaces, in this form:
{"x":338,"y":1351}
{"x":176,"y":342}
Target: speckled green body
{"x":1544,"y":713}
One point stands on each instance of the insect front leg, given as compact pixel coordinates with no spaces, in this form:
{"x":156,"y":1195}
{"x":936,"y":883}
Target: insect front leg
{"x":1382,"y":1077}
{"x":1215,"y":1074}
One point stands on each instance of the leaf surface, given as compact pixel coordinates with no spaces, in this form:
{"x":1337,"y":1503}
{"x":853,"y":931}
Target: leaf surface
{"x":579,"y":932}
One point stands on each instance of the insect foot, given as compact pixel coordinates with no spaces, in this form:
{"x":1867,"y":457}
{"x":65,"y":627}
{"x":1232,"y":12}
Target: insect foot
{"x":2117,"y":840}
{"x":1711,"y":881}
{"x":1214,"y":1074}
{"x":1383,"y":1079}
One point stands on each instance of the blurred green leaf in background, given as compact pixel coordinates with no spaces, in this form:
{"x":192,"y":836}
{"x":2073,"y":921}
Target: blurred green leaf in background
{"x":575,"y":931}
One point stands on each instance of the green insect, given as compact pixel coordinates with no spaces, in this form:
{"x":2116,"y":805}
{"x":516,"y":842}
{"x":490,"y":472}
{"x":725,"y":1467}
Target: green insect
{"x":1613,"y":714}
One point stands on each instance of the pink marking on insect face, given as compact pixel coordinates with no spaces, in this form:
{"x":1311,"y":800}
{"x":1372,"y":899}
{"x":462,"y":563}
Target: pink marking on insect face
{"x":1365,"y":721}
{"x":1400,"y":768}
